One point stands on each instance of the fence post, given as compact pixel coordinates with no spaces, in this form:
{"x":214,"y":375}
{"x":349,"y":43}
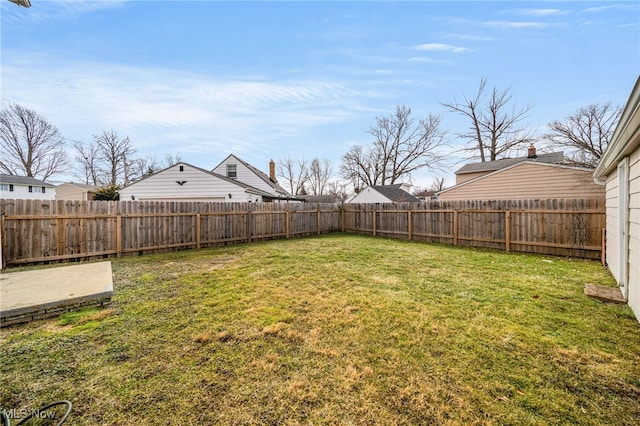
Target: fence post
{"x":409,"y":224}
{"x":374,"y":221}
{"x":248,"y":224}
{"x":198,"y":231}
{"x":318,"y":220}
{"x":507,"y":230}
{"x":118,"y":235}
{"x":455,"y":227}
{"x":287,"y":223}
{"x":342,"y":214}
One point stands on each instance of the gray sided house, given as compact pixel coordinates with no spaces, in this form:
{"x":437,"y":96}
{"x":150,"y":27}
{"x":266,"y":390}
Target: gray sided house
{"x":619,"y":171}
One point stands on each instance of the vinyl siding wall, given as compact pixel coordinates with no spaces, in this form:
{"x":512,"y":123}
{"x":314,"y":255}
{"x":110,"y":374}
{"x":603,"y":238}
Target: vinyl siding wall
{"x":634,"y":232}
{"x":244,"y":175}
{"x":614,"y":257}
{"x":71,"y":192}
{"x":469,"y":176}
{"x":528,"y":181}
{"x":199,"y":186}
{"x":613,"y":231}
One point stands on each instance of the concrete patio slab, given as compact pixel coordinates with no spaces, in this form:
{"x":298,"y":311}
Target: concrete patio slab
{"x":29,"y":295}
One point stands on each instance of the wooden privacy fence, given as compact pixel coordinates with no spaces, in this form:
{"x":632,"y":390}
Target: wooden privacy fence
{"x":557,"y":227}
{"x":41,"y":231}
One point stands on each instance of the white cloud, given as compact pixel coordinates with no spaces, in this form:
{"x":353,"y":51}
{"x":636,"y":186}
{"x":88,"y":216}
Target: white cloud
{"x":429,"y":60}
{"x":543,"y":12}
{"x":631,"y":6}
{"x":519,"y":24}
{"x":469,"y":37}
{"x":440,"y":47}
{"x":169,"y":111}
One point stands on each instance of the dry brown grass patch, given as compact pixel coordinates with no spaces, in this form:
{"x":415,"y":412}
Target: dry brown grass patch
{"x":205,"y":337}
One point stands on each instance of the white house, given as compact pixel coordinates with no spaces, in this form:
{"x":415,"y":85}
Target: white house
{"x":398,"y":193}
{"x":234,"y":168}
{"x":619,"y":171}
{"x":75,"y":191}
{"x":25,"y":188}
{"x":185,"y":182}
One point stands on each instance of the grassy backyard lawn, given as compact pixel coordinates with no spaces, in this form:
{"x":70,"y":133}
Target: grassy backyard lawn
{"x":336,"y":329}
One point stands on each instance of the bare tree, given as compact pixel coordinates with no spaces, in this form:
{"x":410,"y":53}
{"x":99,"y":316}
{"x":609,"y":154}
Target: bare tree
{"x":495,"y":126}
{"x":295,"y":174}
{"x":140,"y":167}
{"x":171,"y":159}
{"x":400,"y":147}
{"x":360,"y":167}
{"x":318,"y":176}
{"x":87,"y":161}
{"x":116,"y":156}
{"x":29,"y":144}
{"x":585,"y":133}
{"x":438,"y":184}
{"x":338,"y":188}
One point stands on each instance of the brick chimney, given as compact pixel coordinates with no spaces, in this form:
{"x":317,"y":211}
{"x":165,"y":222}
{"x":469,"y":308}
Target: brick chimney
{"x":272,"y":171}
{"x":531,"y":153}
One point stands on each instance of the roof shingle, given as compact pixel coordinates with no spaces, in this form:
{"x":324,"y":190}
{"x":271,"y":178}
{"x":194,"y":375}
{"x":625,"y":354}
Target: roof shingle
{"x":490,"y":166}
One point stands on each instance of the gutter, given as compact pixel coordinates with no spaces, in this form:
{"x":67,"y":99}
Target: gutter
{"x":598,"y":181}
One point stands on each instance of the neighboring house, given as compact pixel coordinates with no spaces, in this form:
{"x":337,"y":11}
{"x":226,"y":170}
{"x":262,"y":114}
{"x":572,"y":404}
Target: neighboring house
{"x":75,"y":191}
{"x":527,"y":180}
{"x":427,"y":195}
{"x":619,"y":170}
{"x":474,"y":170}
{"x":398,"y":193}
{"x":25,"y":188}
{"x":185,"y":182}
{"x":234,"y":168}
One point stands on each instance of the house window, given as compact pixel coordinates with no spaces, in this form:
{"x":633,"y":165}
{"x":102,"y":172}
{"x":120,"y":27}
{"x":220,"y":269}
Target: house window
{"x":6,"y":187}
{"x":30,"y":188}
{"x":232,"y":171}
{"x":182,"y":168}
{"x":38,"y":189}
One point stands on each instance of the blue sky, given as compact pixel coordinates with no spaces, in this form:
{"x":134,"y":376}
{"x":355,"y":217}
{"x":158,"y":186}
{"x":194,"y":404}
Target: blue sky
{"x":268,"y":80}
